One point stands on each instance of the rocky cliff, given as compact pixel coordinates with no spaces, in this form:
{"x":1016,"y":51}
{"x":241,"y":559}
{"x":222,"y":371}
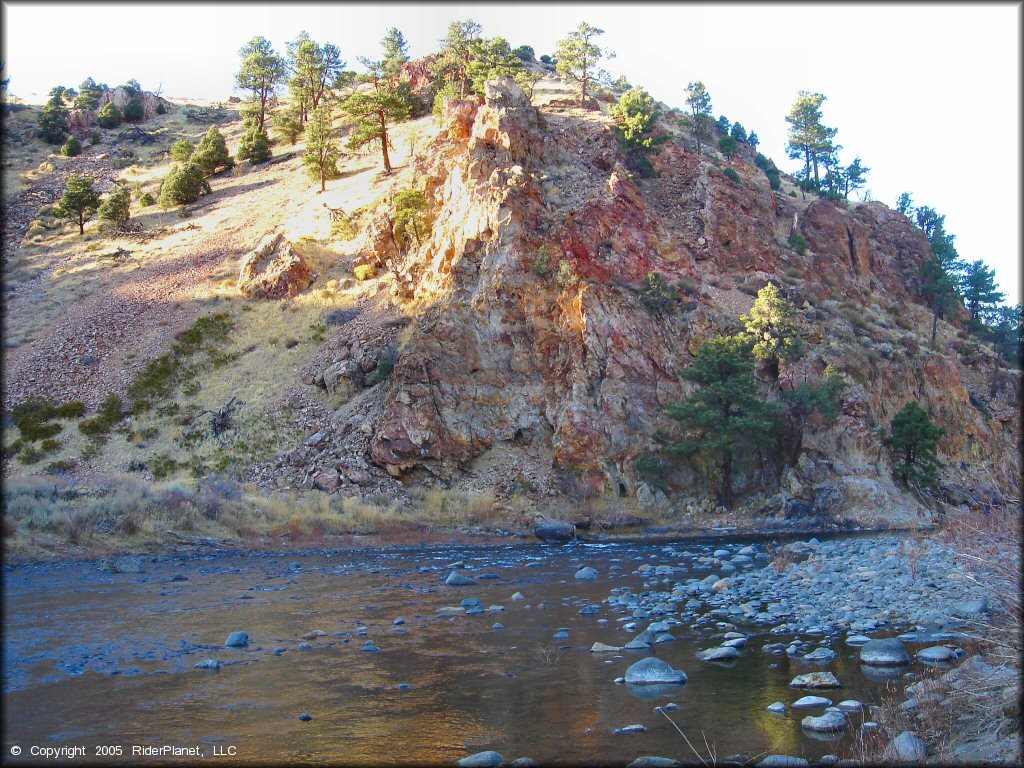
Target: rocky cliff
{"x":529,"y":333}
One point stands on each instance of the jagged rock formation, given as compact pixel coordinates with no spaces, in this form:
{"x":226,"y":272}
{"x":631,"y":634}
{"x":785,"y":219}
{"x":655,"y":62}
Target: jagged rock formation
{"x":272,"y":270}
{"x":504,"y":355}
{"x":85,"y":119}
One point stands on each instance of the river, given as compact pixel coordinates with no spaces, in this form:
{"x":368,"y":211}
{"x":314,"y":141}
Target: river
{"x":103,"y":660}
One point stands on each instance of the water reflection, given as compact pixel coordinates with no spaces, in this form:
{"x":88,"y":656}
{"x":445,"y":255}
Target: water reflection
{"x":73,"y":637}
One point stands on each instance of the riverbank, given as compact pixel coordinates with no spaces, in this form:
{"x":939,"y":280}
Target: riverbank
{"x":58,"y":519}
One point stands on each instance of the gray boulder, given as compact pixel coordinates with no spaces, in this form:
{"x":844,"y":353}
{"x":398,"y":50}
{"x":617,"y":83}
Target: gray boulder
{"x":653,"y":761}
{"x":721,"y":653}
{"x":782,"y":761}
{"x":888,"y":652}
{"x":816,"y":680}
{"x":653,"y":670}
{"x":456,"y":579}
{"x":820,"y":655}
{"x":488,"y":759}
{"x":936,"y":653}
{"x":905,"y":748}
{"x":586,"y":574}
{"x":208,"y":664}
{"x":831,"y":720}
{"x":237,"y":640}
{"x":809,"y":702}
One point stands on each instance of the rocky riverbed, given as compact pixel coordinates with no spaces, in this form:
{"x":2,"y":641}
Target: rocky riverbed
{"x":437,"y":655}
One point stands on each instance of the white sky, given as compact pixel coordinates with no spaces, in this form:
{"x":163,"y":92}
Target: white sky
{"x":927,"y":95}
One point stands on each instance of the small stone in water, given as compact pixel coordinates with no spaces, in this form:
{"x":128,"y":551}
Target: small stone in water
{"x":305,"y":717}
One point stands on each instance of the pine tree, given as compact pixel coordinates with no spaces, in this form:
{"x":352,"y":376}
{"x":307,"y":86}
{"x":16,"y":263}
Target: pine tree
{"x":578,"y":56}
{"x":725,"y":421}
{"x":1004,"y":333}
{"x":378,"y":109}
{"x":854,"y":175}
{"x":80,"y":201}
{"x":728,"y":146}
{"x":396,"y":52}
{"x":738,"y":132}
{"x":490,"y":59}
{"x":288,"y":124}
{"x":322,"y":151}
{"x":451,"y":64}
{"x":53,"y":121}
{"x":913,"y":440}
{"x":809,"y":139}
{"x":314,"y":68}
{"x":821,"y":398}
{"x":978,"y":287}
{"x":184,"y":183}
{"x":181,"y":150}
{"x":116,"y":209}
{"x":89,"y":93}
{"x":699,"y":101}
{"x":771,"y":329}
{"x":410,"y":215}
{"x":905,"y":204}
{"x":261,"y":72}
{"x":939,"y":292}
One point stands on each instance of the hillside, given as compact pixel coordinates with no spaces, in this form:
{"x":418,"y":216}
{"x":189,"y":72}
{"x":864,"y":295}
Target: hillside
{"x":457,"y":368}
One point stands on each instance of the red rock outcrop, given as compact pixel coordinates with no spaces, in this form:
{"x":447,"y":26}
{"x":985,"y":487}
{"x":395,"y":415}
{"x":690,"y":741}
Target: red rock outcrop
{"x":272,"y":270}
{"x":512,"y":350}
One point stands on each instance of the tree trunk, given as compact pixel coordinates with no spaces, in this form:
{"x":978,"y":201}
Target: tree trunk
{"x":384,"y":149}
{"x":935,"y":325}
{"x":725,"y":493}
{"x":773,"y":368}
{"x":817,"y":181}
{"x":81,"y":225}
{"x":995,"y":377}
{"x":323,"y":180}
{"x":583,"y":91}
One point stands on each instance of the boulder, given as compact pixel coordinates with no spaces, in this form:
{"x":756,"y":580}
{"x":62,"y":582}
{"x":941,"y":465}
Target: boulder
{"x":822,"y":655}
{"x":888,"y":652}
{"x":905,"y":748}
{"x":809,"y":702}
{"x":602,"y":648}
{"x":237,"y":640}
{"x":554,"y":531}
{"x":721,"y":653}
{"x":831,"y":720}
{"x":936,"y":653}
{"x":344,"y":378}
{"x":816,"y":680}
{"x":488,"y":759}
{"x":782,"y":761}
{"x":272,"y":270}
{"x":653,"y":670}
{"x":586,"y":574}
{"x":653,"y":761}
{"x":456,"y":579}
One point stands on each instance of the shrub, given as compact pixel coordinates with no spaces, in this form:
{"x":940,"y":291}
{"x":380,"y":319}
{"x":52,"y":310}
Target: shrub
{"x":181,"y":150}
{"x":639,"y":164}
{"x":146,"y":200}
{"x":96,"y":138}
{"x":115,"y":209}
{"x":53,"y":123}
{"x":365,"y":272}
{"x":385,"y":366}
{"x":542,"y":264}
{"x":655,"y":293}
{"x":184,"y":184}
{"x":110,"y":413}
{"x":160,"y":108}
{"x":109,"y":116}
{"x":651,"y":470}
{"x":797,"y":242}
{"x":731,"y":174}
{"x":72,"y":147}
{"x":254,"y":146}
{"x":566,"y":275}
{"x":445,"y":92}
{"x":288,"y":123}
{"x":727,"y":145}
{"x":212,"y":153}
{"x":133,"y":110}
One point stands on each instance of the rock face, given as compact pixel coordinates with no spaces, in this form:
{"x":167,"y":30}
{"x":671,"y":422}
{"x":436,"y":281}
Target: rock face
{"x":272,"y":270}
{"x":84,"y":119}
{"x":506,"y":355}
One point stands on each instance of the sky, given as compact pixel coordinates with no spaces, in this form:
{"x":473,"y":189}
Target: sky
{"x":927,"y":95}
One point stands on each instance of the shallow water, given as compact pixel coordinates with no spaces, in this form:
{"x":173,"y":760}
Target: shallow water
{"x":97,"y":659}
